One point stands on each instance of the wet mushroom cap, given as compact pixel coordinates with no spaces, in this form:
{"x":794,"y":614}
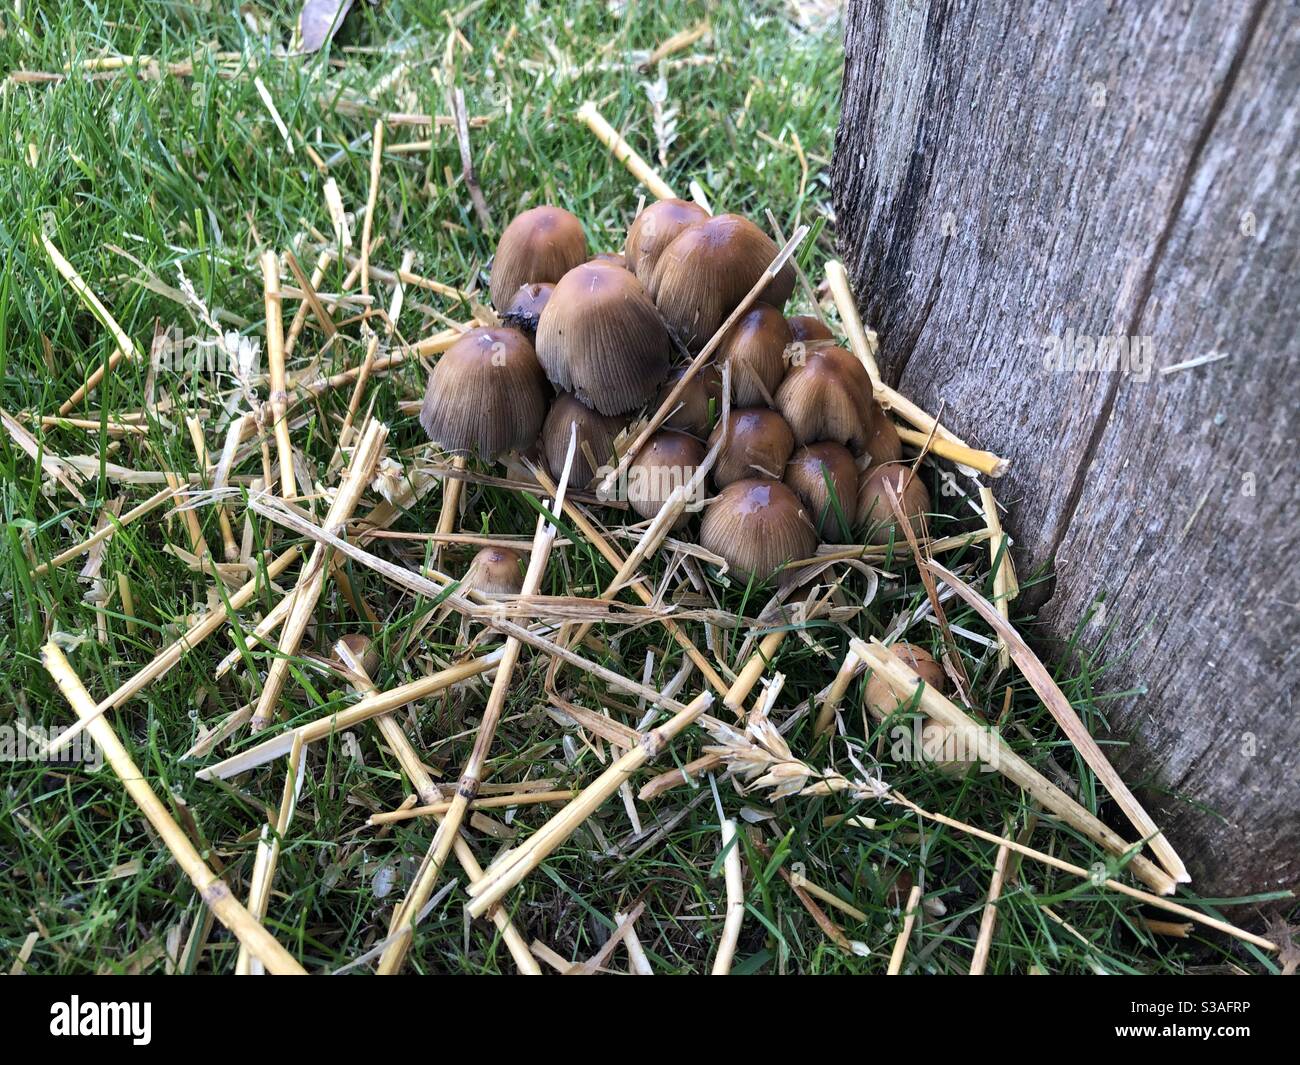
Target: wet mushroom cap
{"x":496,"y":571}
{"x":757,"y":443}
{"x":486,"y":395}
{"x":805,"y":327}
{"x":757,"y":526}
{"x":654,"y":229}
{"x":708,"y":269}
{"x":813,"y":472}
{"x":876,"y":514}
{"x":540,"y":245}
{"x":754,"y":349}
{"x":525,"y":307}
{"x":667,"y":460}
{"x":595,"y":439}
{"x":827,"y":395}
{"x":700,"y":400}
{"x":601,"y":338}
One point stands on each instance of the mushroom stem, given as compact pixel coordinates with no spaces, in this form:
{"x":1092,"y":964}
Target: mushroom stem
{"x":670,"y":402}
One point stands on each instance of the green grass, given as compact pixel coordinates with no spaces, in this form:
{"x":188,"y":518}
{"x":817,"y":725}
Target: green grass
{"x":189,"y":175}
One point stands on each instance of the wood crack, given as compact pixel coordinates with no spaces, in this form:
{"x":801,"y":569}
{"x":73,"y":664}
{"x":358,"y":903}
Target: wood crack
{"x":1215,"y":111}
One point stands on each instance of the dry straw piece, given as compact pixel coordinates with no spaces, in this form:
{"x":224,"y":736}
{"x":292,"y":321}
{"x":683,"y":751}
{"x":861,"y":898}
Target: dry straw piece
{"x":212,"y":889}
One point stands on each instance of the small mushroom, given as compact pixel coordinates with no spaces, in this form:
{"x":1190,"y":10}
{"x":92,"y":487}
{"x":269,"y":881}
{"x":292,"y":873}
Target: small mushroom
{"x":356,"y":649}
{"x":807,"y":328}
{"x":525,"y":307}
{"x":876,"y":514}
{"x":601,"y":338}
{"x":496,"y":571}
{"x":667,"y":460}
{"x":825,"y":478}
{"x":540,"y":245}
{"x":708,"y":269}
{"x":754,"y":348}
{"x":757,"y":443}
{"x":696,"y":405}
{"x":595,"y":438}
{"x":936,"y":738}
{"x":757,"y":526}
{"x":654,"y":229}
{"x":827,"y":395}
{"x":486,"y":394}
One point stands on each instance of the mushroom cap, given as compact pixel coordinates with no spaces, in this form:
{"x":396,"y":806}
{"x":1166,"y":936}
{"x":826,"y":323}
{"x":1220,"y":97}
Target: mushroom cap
{"x":610,"y":258}
{"x":827,"y":395}
{"x":597,"y":431}
{"x":879,"y":697}
{"x":691,"y":413}
{"x":654,"y":229}
{"x":486,"y":394}
{"x":757,"y":443}
{"x":754,"y":348}
{"x":601,"y":338}
{"x":496,"y":571}
{"x":806,"y":327}
{"x":708,"y":269}
{"x":813,"y":471}
{"x":883,"y":442}
{"x":757,"y":525}
{"x":542,"y":244}
{"x":360,"y":648}
{"x":525,"y":307}
{"x":876,"y":514}
{"x":880,"y":701}
{"x":667,"y":459}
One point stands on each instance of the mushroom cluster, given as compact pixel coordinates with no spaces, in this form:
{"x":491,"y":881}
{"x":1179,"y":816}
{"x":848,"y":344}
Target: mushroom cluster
{"x":799,"y":449}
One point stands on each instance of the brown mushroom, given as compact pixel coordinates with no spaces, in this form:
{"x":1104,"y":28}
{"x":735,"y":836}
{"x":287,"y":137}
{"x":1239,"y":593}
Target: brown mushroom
{"x":708,"y":269}
{"x":540,"y":245}
{"x":356,"y":649}
{"x":757,"y":526}
{"x":525,"y":307}
{"x":757,"y":443}
{"x":827,"y":395}
{"x":936,"y":740}
{"x":825,"y":478}
{"x":495,"y":571}
{"x":486,"y":394}
{"x":807,"y":328}
{"x":667,"y":460}
{"x":696,"y":406}
{"x":875,"y":512}
{"x":595,"y":440}
{"x":601,"y":338}
{"x":654,"y":229}
{"x":754,"y":348}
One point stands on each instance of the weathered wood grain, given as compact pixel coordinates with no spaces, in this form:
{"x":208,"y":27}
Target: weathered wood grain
{"x":1010,"y":172}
